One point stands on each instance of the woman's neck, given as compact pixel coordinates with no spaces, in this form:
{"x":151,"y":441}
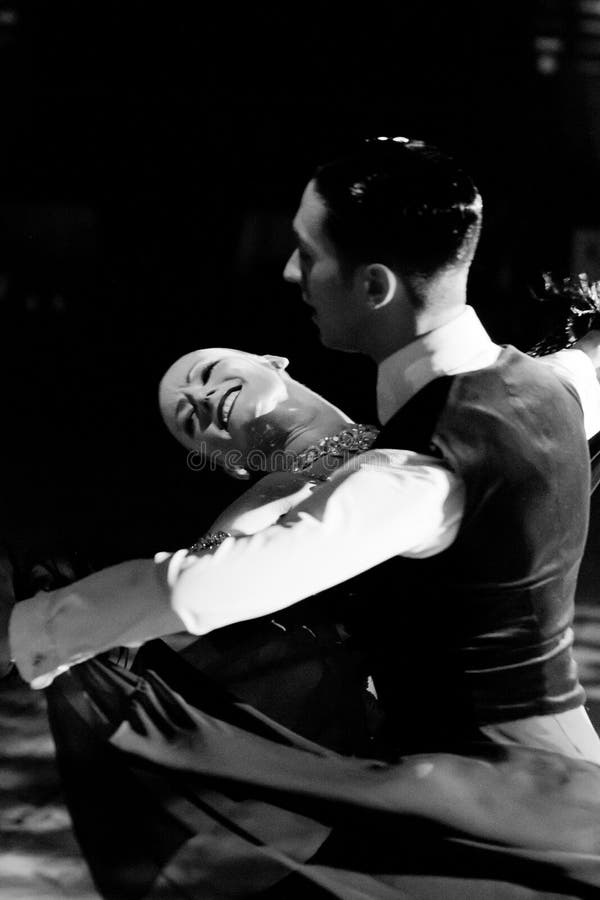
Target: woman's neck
{"x":302,"y":420}
{"x":327,"y":423}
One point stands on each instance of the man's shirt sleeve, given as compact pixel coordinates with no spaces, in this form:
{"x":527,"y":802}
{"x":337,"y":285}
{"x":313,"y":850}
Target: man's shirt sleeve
{"x":379,"y":505}
{"x":126,"y":604}
{"x":382,"y":504}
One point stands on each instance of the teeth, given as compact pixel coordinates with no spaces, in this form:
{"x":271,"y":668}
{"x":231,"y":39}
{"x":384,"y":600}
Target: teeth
{"x":225,"y":412}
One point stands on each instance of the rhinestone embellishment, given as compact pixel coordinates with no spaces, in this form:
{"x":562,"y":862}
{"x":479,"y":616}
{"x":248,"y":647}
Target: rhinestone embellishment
{"x":354,"y":439}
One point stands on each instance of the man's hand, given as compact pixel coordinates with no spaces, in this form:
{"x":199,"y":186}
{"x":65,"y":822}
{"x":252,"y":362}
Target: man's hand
{"x":45,"y":574}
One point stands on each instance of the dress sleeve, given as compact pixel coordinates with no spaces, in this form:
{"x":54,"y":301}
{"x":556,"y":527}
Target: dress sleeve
{"x":578,"y":369}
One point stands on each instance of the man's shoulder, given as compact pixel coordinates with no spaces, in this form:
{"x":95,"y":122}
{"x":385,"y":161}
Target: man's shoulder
{"x":514,"y":371}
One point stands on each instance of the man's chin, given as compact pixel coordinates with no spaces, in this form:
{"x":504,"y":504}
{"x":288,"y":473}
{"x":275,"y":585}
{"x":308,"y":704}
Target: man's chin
{"x":337,"y":342}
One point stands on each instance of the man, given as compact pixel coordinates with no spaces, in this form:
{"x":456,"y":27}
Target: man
{"x":407,"y":312}
{"x":385,"y":239}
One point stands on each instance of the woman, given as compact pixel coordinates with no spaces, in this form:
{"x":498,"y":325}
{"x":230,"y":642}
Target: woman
{"x":191,"y":726}
{"x":299,"y":668}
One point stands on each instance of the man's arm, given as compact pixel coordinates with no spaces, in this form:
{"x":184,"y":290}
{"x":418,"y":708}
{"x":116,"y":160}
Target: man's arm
{"x":379,"y":505}
{"x":382,"y":504}
{"x":125,"y":604}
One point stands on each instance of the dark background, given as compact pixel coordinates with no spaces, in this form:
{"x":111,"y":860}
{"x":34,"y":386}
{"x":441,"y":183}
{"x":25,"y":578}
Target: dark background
{"x":151,"y":159}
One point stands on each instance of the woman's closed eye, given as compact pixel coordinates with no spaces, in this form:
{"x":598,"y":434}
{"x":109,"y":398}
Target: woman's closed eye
{"x":207,"y":371}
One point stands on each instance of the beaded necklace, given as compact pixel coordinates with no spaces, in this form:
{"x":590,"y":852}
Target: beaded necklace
{"x":352,"y":439}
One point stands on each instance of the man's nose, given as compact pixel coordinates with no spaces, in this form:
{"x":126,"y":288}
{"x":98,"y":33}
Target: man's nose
{"x":292,"y":268}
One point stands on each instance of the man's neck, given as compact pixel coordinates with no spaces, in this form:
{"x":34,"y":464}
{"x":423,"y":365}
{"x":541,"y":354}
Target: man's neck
{"x":442,"y":300}
{"x":459,"y":345}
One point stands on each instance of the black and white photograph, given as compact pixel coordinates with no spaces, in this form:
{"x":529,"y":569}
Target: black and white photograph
{"x":299,"y":379}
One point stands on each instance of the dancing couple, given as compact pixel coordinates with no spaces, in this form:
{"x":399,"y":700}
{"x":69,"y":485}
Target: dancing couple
{"x":438,"y":553}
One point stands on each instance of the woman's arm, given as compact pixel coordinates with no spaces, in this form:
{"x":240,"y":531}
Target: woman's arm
{"x":581,"y":370}
{"x":264,"y":503}
{"x":590,"y":344}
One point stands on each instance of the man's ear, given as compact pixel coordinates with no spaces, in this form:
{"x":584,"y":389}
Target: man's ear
{"x":278,"y":362}
{"x":380,"y":284}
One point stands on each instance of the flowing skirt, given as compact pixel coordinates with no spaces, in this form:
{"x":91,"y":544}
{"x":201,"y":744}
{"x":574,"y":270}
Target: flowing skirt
{"x":177,"y":789}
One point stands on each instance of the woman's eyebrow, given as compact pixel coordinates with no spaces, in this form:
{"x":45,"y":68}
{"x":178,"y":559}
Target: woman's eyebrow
{"x":205,"y":372}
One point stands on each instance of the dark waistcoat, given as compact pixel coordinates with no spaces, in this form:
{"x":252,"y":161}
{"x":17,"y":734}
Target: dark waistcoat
{"x":481,"y":632}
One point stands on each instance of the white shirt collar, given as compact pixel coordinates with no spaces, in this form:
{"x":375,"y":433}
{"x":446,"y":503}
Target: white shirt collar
{"x":460,"y":345}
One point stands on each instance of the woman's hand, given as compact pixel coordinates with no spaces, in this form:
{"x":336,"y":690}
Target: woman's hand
{"x":590,"y":344}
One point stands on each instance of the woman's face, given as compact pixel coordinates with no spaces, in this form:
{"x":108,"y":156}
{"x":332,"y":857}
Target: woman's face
{"x":220,"y":400}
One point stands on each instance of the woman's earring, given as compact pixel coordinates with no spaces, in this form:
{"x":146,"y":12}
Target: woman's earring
{"x":238,"y":472}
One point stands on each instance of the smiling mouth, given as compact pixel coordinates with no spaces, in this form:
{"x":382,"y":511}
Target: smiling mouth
{"x":226,"y":404}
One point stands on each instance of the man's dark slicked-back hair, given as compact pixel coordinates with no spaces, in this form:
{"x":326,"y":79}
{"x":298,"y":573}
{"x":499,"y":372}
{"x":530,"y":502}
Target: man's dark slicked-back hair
{"x":401,"y":203}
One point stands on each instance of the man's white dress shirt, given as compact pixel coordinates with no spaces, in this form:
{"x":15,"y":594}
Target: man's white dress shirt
{"x":380,"y":504}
